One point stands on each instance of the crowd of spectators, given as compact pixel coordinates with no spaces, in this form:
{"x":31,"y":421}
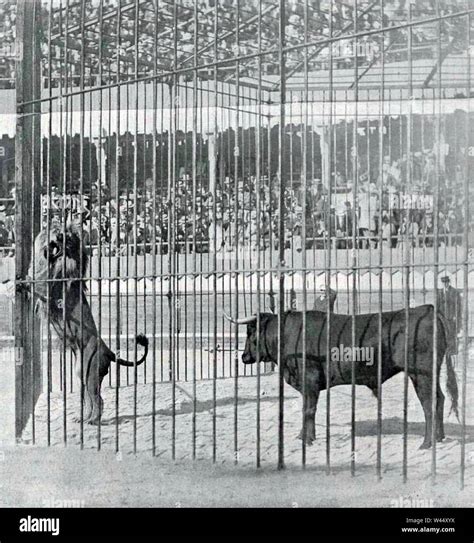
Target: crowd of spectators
{"x":7,"y":225}
{"x":232,"y":215}
{"x":318,"y":18}
{"x":7,"y":43}
{"x":227,"y":216}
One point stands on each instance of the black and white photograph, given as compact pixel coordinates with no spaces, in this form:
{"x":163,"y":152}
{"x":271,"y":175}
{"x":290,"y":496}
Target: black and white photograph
{"x":237,"y":257}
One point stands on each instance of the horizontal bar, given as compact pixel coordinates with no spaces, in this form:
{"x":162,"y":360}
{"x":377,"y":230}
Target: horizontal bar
{"x":241,"y":58}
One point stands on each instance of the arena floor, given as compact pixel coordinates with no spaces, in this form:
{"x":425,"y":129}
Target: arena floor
{"x":91,"y":478}
{"x":180,"y":476}
{"x":448,"y":456}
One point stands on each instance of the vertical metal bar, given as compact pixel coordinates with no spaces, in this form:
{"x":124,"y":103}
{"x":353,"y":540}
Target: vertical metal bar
{"x":128,"y":252}
{"x":236,"y":231}
{"x":144,"y":223}
{"x":99,"y":195}
{"x":281,"y":230}
{"x":69,"y":176}
{"x":328,"y":251}
{"x":434,"y":369}
{"x":205,"y":210}
{"x":313,"y":175}
{"x":355,"y":223}
{"x":215,"y":248}
{"x":64,"y":212}
{"x":48,"y":218}
{"x":200,"y":183}
{"x":390,"y":140}
{"x":272,"y":236}
{"x":21,"y":262}
{"x":81,"y":228}
{"x":407,"y":241}
{"x":304,"y":175}
{"x":467,"y":219}
{"x":35,"y":210}
{"x":194,"y":181}
{"x":381,"y":243}
{"x":424,"y":239}
{"x":180,"y":247}
{"x":117,"y":230}
{"x":164,"y":232}
{"x":258,"y":189}
{"x":61,"y":156}
{"x":185,"y":246}
{"x":154,"y":220}
{"x":289,"y":235}
{"x":135,"y":221}
{"x":171,"y":234}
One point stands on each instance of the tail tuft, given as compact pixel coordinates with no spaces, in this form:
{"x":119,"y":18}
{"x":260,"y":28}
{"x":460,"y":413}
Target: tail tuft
{"x":142,"y":340}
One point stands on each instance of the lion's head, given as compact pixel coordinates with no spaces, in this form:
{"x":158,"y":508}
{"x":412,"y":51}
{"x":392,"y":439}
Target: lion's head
{"x":57,"y":255}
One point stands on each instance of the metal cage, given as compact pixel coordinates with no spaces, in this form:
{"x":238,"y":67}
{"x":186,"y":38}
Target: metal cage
{"x":244,"y":157}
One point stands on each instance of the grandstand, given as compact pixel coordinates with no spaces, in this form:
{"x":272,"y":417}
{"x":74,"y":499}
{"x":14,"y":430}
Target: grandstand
{"x":113,"y":60}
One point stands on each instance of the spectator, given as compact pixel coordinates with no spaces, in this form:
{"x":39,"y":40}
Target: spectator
{"x":320,"y":303}
{"x":450,"y":304}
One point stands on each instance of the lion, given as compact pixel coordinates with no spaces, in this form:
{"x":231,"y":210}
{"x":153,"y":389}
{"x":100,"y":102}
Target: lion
{"x":58,"y":257}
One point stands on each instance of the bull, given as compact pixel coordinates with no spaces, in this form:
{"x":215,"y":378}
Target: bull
{"x":419,"y":359}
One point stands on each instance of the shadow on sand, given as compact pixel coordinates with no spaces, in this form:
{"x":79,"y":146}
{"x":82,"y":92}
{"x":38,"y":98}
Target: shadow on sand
{"x":185,"y":408}
{"x":395,"y":426}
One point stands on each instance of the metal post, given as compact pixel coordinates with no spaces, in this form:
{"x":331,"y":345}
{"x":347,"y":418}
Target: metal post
{"x":281,"y":233}
{"x":28,"y":376}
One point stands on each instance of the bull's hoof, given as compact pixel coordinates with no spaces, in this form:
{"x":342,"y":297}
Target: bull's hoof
{"x":425,"y":445}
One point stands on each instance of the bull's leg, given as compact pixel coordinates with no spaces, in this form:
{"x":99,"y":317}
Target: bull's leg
{"x":308,"y":431}
{"x":422,"y":384}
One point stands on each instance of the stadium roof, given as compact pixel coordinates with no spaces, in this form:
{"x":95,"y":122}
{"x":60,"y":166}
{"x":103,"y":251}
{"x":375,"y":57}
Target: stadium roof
{"x":134,"y":39}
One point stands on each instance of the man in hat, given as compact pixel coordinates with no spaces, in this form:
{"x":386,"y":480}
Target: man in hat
{"x":320,"y":303}
{"x":449,"y":303}
{"x":3,"y":213}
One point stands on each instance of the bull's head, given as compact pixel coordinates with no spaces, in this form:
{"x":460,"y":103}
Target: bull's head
{"x":263,"y":347}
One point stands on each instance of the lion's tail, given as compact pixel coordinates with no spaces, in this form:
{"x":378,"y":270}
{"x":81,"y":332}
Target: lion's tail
{"x":141,"y":340}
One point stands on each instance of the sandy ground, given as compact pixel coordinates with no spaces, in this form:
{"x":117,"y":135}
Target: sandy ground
{"x":39,"y":476}
{"x":36,"y":477}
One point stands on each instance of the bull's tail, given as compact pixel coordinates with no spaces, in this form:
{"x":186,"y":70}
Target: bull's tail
{"x":452,"y":385}
{"x":451,"y":382}
{"x":141,"y":340}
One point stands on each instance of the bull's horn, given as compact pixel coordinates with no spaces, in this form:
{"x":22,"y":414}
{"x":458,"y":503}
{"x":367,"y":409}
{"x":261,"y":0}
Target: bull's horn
{"x":245,"y":320}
